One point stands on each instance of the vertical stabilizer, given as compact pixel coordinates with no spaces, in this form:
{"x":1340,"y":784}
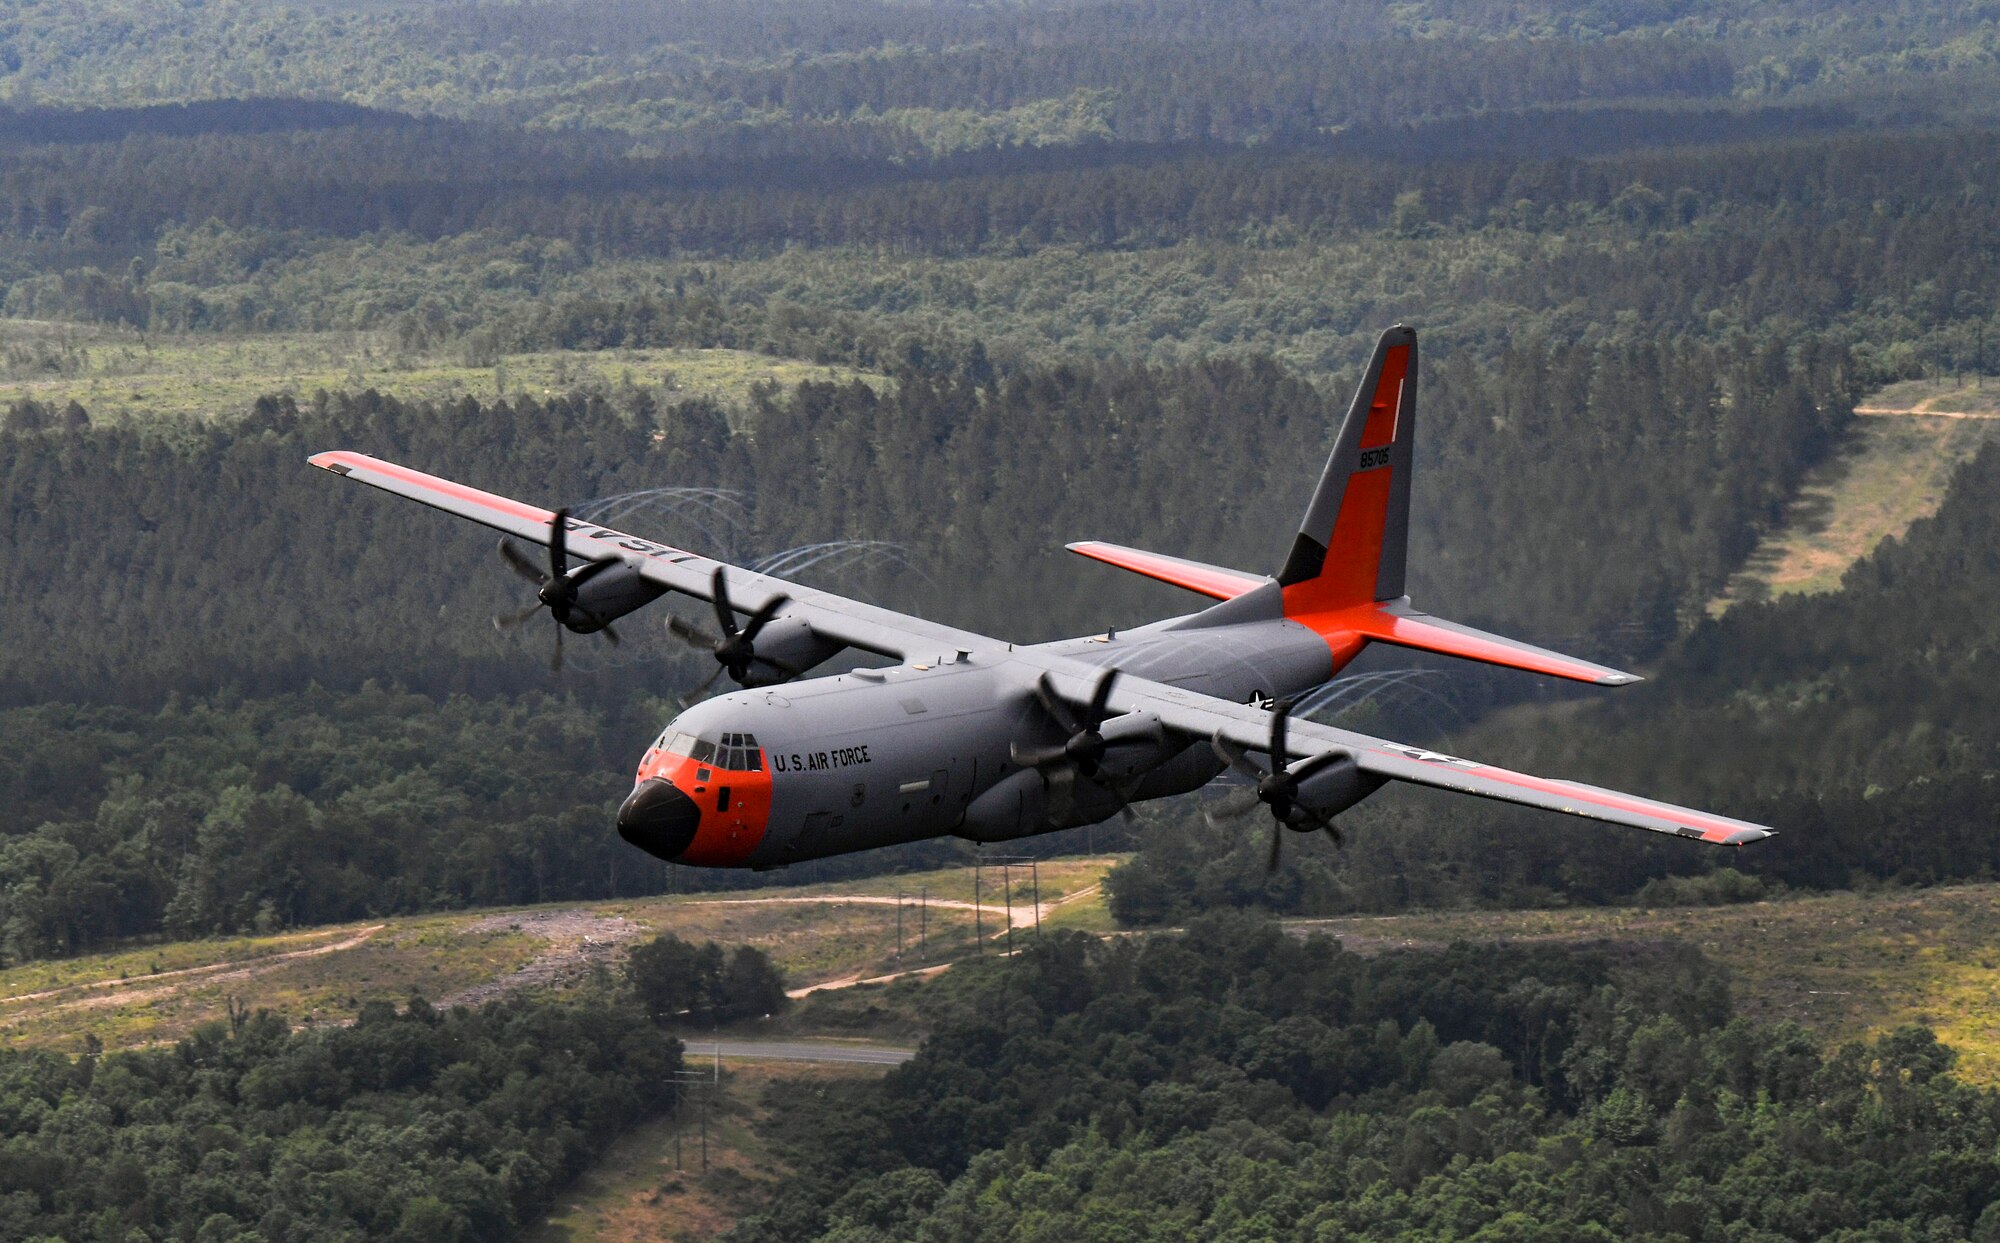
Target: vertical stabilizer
{"x":1350,"y":549}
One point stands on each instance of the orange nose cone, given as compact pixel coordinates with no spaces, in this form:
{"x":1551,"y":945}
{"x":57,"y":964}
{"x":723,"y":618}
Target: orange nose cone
{"x":659,"y":819}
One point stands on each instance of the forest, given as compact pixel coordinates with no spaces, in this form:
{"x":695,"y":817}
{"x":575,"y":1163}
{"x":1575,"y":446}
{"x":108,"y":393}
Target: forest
{"x":1238,"y":1082}
{"x":1635,"y":353}
{"x":161,"y":806}
{"x":410,"y":1124}
{"x":1653,"y":286}
{"x":1100,"y":270}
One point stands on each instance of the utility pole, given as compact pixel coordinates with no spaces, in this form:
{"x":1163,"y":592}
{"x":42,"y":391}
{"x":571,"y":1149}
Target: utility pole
{"x":899,"y":925}
{"x":1007,"y":891}
{"x":1035,"y":874}
{"x":924,"y":922}
{"x":686,"y":1081}
{"x":978,"y":924}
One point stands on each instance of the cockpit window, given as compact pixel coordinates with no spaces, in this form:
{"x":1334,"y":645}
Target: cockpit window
{"x":736,"y":752}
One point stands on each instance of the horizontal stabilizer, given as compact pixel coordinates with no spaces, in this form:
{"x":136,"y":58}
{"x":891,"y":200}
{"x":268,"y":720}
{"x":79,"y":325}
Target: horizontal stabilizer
{"x":1407,"y":628}
{"x":1214,"y":581}
{"x":1397,"y":623}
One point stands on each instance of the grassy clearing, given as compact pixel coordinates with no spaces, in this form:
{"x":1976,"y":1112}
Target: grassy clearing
{"x":1964,"y":394}
{"x":1893,"y":470}
{"x":425,"y":955}
{"x":640,"y":1192}
{"x":1847,"y":965}
{"x":155,"y":960}
{"x":816,"y":934}
{"x":117,"y":374}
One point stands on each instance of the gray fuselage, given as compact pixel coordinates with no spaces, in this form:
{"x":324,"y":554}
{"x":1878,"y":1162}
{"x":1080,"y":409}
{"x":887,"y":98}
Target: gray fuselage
{"x":875,"y":757}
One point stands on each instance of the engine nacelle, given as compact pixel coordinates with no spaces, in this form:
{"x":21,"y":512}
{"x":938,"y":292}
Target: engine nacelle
{"x":1338,"y":786}
{"x":1018,"y":805}
{"x":608,"y":595}
{"x":786,"y":648}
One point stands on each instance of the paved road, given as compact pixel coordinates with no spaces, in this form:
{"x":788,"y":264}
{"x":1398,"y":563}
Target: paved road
{"x":802,"y":1051}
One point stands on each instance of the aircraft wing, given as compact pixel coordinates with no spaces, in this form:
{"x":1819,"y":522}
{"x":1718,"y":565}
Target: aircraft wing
{"x":1203,"y":716}
{"x":850,"y":622}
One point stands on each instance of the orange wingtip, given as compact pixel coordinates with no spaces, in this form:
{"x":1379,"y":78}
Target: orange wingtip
{"x":1215,"y":581}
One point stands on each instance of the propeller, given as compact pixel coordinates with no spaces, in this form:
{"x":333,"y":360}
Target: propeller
{"x":555,"y":590}
{"x":1276,"y":787}
{"x":1081,"y":754}
{"x":736,"y":650}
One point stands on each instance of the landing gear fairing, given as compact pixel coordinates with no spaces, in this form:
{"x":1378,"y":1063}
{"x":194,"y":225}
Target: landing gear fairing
{"x":972,"y":736}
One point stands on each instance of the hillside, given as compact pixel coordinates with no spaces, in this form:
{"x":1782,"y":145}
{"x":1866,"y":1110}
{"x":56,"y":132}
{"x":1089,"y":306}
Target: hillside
{"x":1891,"y":469}
{"x":118,"y":373}
{"x":1847,"y":965}
{"x":822,"y":936}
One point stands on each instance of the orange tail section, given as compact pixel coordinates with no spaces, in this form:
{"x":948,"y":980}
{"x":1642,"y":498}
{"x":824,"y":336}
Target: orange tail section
{"x":1344,"y":577}
{"x":1351,"y":547}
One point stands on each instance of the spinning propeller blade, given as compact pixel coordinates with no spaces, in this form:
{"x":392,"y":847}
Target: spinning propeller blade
{"x":1276,"y":787}
{"x":736,"y":650}
{"x":555,"y":590}
{"x":1079,"y":755}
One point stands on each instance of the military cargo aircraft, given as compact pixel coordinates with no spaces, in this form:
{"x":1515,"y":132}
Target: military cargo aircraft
{"x":973,"y":736}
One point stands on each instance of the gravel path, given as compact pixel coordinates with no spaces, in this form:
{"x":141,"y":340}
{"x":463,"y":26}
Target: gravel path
{"x":577,"y":941}
{"x":801,"y":1051}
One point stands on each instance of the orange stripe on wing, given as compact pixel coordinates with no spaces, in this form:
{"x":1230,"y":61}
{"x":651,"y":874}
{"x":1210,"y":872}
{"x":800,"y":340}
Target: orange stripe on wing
{"x":1210,"y":580}
{"x":1714,"y":829}
{"x":430,"y":483}
{"x":1345,"y":628}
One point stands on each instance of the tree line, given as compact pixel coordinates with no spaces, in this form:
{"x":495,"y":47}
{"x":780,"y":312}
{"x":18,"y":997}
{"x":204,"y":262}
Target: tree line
{"x":1868,"y":236}
{"x":437,"y":179}
{"x":130,"y":561}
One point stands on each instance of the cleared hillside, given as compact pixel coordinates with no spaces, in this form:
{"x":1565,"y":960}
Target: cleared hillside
{"x":820,"y":935}
{"x":1846,"y":965}
{"x":120,"y":373}
{"x":1893,"y":469}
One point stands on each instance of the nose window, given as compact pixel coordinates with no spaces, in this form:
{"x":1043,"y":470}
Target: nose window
{"x":735,"y":752}
{"x":739,"y":753}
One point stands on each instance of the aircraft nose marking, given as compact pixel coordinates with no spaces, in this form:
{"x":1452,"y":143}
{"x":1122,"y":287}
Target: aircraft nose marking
{"x":659,"y":819}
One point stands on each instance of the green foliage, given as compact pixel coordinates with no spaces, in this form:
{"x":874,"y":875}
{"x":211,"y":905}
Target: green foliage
{"x":411,"y":1125}
{"x":678,"y":982}
{"x":1237,"y":1082}
{"x":134,"y":560}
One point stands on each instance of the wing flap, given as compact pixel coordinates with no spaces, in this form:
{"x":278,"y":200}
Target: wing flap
{"x":1573,"y":798}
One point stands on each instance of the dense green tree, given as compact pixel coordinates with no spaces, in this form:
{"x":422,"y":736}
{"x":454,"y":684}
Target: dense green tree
{"x":1238,"y":1082}
{"x":679,"y":982}
{"x":409,"y":1124}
